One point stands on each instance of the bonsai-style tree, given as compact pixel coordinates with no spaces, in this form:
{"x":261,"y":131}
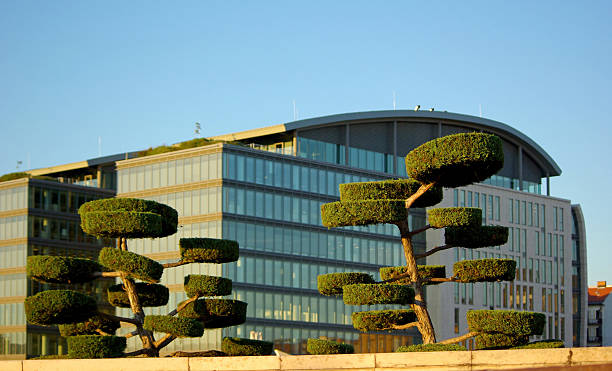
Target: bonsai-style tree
{"x":89,"y":331}
{"x":451,"y":161}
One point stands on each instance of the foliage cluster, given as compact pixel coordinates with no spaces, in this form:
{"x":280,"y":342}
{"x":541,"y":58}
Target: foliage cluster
{"x":476,"y":236}
{"x":377,"y":293}
{"x":93,"y":346}
{"x":208,"y":250}
{"x":246,"y":347}
{"x":135,"y":265}
{"x":90,"y":327}
{"x":177,"y":326}
{"x":331,"y":284}
{"x":435,"y":347}
{"x":484,"y":270}
{"x":454,"y":217}
{"x":380,"y":320}
{"x":59,"y":307}
{"x":395,"y":189}
{"x":216,"y":313}
{"x":61,"y":269}
{"x":203,"y":285}
{"x":322,"y":346}
{"x":149,"y":295}
{"x":425,"y":272}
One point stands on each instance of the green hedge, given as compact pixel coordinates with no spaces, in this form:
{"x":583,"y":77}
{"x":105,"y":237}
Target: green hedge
{"x":128,"y":217}
{"x":378,"y":293}
{"x":216,"y":313}
{"x":341,"y":214}
{"x":543,"y":344}
{"x":476,"y":237}
{"x":456,"y":160}
{"x":430,"y":348}
{"x":331,"y":284}
{"x":499,"y":341}
{"x":208,"y":250}
{"x":508,"y":322}
{"x":59,"y":306}
{"x":13,"y":176}
{"x":454,"y":216}
{"x":395,"y":189}
{"x":61,"y":269}
{"x":246,"y":347}
{"x":135,"y":265}
{"x":177,"y":326}
{"x":149,"y":295}
{"x":89,"y":327}
{"x":320,"y":346}
{"x":380,"y":320}
{"x":484,"y":270}
{"x":203,"y":285}
{"x":424,"y":271}
{"x":93,"y":346}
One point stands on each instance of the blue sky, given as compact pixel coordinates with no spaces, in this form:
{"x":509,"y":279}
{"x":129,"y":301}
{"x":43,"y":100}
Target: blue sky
{"x":139,"y":74}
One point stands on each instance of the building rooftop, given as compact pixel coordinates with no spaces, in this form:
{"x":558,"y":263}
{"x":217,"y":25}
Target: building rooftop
{"x":597,"y":295}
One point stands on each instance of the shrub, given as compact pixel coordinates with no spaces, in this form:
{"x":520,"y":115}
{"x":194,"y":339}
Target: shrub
{"x":476,"y":237}
{"x":484,"y":270}
{"x":382,"y":293}
{"x":456,"y":160}
{"x":246,"y":347}
{"x":435,"y":347}
{"x":380,"y":320}
{"x":454,"y":216}
{"x":13,"y":176}
{"x":396,"y":189}
{"x":424,"y":271}
{"x":331,"y":284}
{"x":61,"y":269}
{"x":149,"y":295}
{"x":203,"y":285}
{"x":216,"y":313}
{"x":508,"y":322}
{"x":208,"y":250}
{"x":543,"y":344}
{"x":177,"y":326}
{"x":94,"y":346}
{"x":58,"y":306}
{"x":135,"y":265}
{"x":89,"y":327}
{"x":340,"y":214}
{"x":320,"y":346}
{"x":499,"y":341}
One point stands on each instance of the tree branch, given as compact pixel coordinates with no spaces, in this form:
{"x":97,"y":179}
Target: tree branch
{"x":133,"y":333}
{"x":102,"y":332}
{"x":422,"y":189}
{"x":433,"y":251}
{"x":403,"y":327}
{"x":136,"y":353}
{"x":106,"y":274}
{"x":183,"y":305}
{"x":460,"y":338}
{"x":449,"y":279}
{"x":175,"y":264}
{"x":417,"y":231}
{"x":396,"y":278}
{"x":133,"y":321}
{"x":164,"y":341}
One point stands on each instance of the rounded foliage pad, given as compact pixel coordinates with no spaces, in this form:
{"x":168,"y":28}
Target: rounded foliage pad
{"x":395,"y":189}
{"x":477,"y":236}
{"x":424,"y":271}
{"x":345,"y":213}
{"x":61,"y":269}
{"x":508,"y":322}
{"x":149,"y":295}
{"x":135,"y":265}
{"x":95,"y":346}
{"x":128,"y":217}
{"x":216,"y":313}
{"x":208,"y":250}
{"x":378,"y":293}
{"x":321,"y":346}
{"x":90,"y":326}
{"x":380,"y":320}
{"x":435,"y":347}
{"x":456,"y":160}
{"x":177,"y":326}
{"x":484,"y":270}
{"x":53,"y":307}
{"x":246,"y":347}
{"x":499,"y":341}
{"x":331,"y":284}
{"x":543,"y":344}
{"x":203,"y":285}
{"x":454,"y":216}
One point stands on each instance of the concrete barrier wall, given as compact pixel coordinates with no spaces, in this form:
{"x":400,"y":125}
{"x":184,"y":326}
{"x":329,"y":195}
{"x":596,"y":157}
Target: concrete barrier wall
{"x":470,"y":360}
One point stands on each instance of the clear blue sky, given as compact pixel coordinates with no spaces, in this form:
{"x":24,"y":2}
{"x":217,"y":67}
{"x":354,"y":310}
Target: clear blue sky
{"x":139,"y":74}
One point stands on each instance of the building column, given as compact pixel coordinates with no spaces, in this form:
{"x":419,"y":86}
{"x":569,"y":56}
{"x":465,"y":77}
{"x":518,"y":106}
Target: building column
{"x":395,"y":147}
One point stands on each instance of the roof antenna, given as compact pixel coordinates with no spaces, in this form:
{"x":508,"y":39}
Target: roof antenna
{"x":480,"y":109}
{"x":394,"y":100}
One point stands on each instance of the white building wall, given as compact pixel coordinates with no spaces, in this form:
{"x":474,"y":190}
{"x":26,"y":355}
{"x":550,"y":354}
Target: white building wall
{"x":606,"y":322}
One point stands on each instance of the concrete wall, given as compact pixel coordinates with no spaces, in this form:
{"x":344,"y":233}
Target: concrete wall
{"x":469,"y":360}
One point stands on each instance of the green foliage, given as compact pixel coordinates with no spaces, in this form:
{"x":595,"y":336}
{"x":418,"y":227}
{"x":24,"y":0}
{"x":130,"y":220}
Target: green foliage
{"x":454,"y":216}
{"x":396,"y":189}
{"x":380,"y":320}
{"x":543,"y":344}
{"x":331,"y":284}
{"x":484,"y":270}
{"x":507,"y":322}
{"x":499,"y":341}
{"x":341,"y":213}
{"x":246,"y":347}
{"x":424,"y":271}
{"x":58,"y":307}
{"x":477,"y":236}
{"x":435,"y":347}
{"x":13,"y":176}
{"x":89,"y":327}
{"x":135,"y":265}
{"x":456,"y":160}
{"x":216,"y":313}
{"x":193,"y":143}
{"x":203,"y":285}
{"x":208,"y":250}
{"x":127,"y":217}
{"x":61,"y":269}
{"x":378,"y":293}
{"x":177,"y":326}
{"x":93,"y":346}
{"x":320,"y":346}
{"x":149,"y":295}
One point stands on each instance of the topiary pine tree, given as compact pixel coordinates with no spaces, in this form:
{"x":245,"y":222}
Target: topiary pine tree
{"x":89,"y":331}
{"x":451,"y":161}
